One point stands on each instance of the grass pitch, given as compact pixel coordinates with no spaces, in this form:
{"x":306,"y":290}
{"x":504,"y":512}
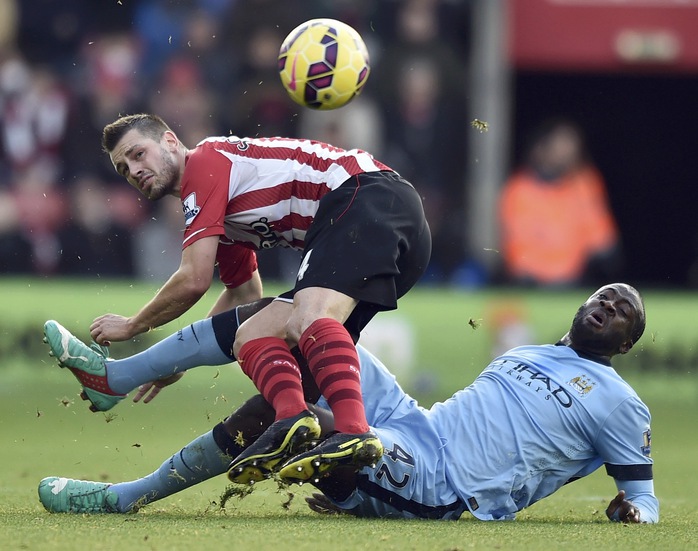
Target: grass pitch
{"x":47,"y":430}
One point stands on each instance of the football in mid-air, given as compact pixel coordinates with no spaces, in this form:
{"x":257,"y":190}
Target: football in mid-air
{"x":323,"y":64}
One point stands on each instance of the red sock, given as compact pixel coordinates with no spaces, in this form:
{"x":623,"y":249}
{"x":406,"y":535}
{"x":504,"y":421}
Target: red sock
{"x":274,"y":371}
{"x":334,"y":363}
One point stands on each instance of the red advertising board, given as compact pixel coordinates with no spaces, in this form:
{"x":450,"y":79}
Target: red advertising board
{"x":606,"y":35}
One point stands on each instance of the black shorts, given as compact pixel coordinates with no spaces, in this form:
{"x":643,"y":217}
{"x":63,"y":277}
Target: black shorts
{"x":369,"y":240}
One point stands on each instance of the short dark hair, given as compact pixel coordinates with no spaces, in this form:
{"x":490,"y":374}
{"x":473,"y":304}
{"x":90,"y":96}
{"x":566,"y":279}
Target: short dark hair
{"x":147,"y":124}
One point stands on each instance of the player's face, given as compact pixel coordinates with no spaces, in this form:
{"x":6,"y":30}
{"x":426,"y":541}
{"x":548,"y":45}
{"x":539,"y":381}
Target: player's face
{"x":147,"y":165}
{"x":604,"y":324}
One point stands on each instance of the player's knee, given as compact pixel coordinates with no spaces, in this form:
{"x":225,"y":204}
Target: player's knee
{"x":243,"y":335}
{"x":294,"y":328}
{"x":293,"y":335}
{"x":237,"y":345}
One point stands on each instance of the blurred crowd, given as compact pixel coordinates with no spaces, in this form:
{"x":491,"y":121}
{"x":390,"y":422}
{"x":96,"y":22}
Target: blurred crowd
{"x":208,"y":67}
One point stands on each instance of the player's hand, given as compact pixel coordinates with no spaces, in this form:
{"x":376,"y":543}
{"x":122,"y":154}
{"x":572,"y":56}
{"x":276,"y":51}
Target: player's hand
{"x":148,"y":391}
{"x":111,"y":327}
{"x":622,"y":510}
{"x":321,"y":504}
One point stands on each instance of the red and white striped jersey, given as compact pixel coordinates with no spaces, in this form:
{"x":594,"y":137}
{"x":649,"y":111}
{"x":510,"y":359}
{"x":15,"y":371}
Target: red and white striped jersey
{"x":258,"y":193}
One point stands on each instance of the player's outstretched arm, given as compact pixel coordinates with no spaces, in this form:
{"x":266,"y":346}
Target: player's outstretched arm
{"x":181,"y":291}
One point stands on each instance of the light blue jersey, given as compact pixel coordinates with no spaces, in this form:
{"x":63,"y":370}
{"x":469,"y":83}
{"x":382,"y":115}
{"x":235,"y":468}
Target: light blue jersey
{"x":536,"y":418}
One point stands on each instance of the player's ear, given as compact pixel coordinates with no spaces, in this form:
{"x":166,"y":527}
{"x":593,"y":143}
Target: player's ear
{"x":625,"y":347}
{"x":170,"y":139}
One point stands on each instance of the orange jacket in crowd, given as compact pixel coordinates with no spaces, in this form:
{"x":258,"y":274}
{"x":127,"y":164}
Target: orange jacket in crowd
{"x":550,"y":230}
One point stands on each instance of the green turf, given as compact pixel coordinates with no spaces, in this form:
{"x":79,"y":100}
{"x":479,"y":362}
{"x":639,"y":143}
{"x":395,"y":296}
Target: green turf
{"x":46,"y":430}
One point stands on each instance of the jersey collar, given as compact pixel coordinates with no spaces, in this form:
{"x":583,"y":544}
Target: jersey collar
{"x":591,"y":357}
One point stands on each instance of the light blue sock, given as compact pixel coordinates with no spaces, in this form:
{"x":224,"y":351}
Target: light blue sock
{"x":193,"y":346}
{"x":198,"y":461}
